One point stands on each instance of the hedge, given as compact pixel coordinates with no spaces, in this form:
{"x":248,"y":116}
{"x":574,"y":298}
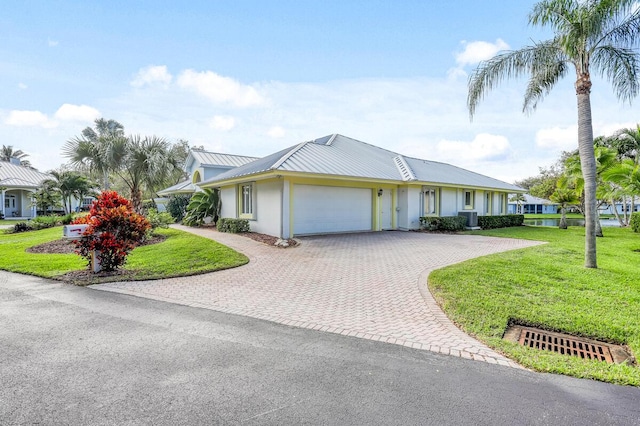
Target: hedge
{"x":492,"y":222}
{"x":444,"y":223}
{"x":233,"y":226}
{"x":634,"y":223}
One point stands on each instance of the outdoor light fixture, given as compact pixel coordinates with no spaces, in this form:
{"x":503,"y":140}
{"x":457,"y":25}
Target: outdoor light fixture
{"x":379,"y":192}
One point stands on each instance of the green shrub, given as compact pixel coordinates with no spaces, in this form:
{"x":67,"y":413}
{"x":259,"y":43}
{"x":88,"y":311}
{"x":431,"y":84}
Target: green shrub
{"x":444,"y":223}
{"x":177,"y":205}
{"x":159,"y":220}
{"x":634,"y":223}
{"x":22,"y":227}
{"x":506,"y":221}
{"x":42,"y":222}
{"x":203,"y":205}
{"x":67,"y":219}
{"x":233,"y":226}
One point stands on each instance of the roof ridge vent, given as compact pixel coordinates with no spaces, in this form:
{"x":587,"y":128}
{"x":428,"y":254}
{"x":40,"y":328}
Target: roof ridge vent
{"x":403,"y":168}
{"x":333,"y":137}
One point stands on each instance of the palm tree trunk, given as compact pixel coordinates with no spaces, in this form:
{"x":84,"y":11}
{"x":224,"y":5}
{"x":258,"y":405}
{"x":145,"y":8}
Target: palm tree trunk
{"x":615,"y":212}
{"x":598,"y":225}
{"x":563,"y":218}
{"x":588,"y":162}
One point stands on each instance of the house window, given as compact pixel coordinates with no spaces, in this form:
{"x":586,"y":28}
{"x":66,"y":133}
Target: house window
{"x":488,"y":200}
{"x":430,"y":201}
{"x":469,"y":199}
{"x":246,"y":201}
{"x":10,"y":202}
{"x":503,"y":202}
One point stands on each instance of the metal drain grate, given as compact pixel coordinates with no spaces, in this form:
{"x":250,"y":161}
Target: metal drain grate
{"x":568,"y":345}
{"x":553,"y":342}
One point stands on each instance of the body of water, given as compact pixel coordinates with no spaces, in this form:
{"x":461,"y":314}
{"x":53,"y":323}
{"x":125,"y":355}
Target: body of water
{"x":570,"y":222}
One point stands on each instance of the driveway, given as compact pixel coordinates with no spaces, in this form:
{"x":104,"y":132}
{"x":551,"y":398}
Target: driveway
{"x":369,"y":285}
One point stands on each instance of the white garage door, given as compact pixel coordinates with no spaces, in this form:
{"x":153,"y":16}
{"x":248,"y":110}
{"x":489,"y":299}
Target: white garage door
{"x":323,"y":209}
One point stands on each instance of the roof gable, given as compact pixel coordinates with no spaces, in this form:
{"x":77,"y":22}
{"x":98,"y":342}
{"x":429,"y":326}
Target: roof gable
{"x":15,"y":175}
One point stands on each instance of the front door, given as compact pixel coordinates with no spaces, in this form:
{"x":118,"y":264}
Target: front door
{"x":386,"y":206}
{"x":10,"y":206}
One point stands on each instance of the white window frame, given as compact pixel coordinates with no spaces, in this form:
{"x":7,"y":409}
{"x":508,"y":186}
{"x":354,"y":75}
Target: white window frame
{"x":430,"y":194}
{"x":488,"y":201}
{"x":472,"y":196}
{"x":247,"y":200}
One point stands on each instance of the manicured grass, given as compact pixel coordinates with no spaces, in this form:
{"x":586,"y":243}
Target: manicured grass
{"x":180,"y":254}
{"x":547,"y":286}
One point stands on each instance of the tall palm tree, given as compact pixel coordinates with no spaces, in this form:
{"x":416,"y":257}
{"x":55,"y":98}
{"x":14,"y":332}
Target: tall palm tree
{"x":7,"y":153}
{"x":93,"y":150}
{"x":589,"y":36}
{"x":145,"y":163}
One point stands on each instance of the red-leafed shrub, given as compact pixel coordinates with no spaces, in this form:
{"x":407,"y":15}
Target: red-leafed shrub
{"x":114,"y":230}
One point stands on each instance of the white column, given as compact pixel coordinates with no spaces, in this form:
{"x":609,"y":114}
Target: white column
{"x":286,"y":209}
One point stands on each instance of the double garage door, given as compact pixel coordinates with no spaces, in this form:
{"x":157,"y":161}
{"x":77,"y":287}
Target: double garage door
{"x":325,"y":209}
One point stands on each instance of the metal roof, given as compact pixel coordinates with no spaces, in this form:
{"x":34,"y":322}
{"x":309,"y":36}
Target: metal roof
{"x":343,"y":156}
{"x":530,"y":199}
{"x":207,"y":158}
{"x":12,"y":175}
{"x":184,"y":187}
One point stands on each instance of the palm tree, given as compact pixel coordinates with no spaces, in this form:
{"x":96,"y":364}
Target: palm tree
{"x":627,"y":142}
{"x":145,"y":163}
{"x":47,"y":197}
{"x":627,"y":175}
{"x":590,"y":36}
{"x":69,"y":184}
{"x":519,"y":199}
{"x":565,"y":197}
{"x":93,"y":150}
{"x":7,"y":153}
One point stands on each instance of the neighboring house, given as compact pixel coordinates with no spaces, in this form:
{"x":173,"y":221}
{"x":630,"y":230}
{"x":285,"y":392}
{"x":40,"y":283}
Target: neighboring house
{"x":17,"y":184}
{"x":338,"y":184}
{"x":620,"y":207}
{"x":533,"y":205}
{"x":201,"y":165}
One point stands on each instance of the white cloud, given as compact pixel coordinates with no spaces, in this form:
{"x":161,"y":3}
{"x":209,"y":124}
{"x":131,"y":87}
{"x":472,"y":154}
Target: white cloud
{"x":222,"y":122}
{"x":276,"y":132}
{"x":29,"y":119}
{"x":477,"y":51}
{"x":558,"y":138}
{"x":219,"y":89}
{"x":69,"y":112}
{"x":484,"y":147}
{"x":52,"y":43}
{"x":22,"y":86}
{"x":153,"y":74}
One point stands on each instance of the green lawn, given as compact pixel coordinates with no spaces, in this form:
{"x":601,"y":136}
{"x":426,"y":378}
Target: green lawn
{"x":180,"y":254}
{"x":547,"y":286}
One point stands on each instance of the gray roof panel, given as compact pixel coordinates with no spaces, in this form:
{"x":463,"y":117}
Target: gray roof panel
{"x":337,"y":155}
{"x":207,"y":158}
{"x":14,"y":175}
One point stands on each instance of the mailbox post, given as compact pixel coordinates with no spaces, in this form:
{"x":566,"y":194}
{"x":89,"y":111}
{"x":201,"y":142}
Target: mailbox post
{"x":75,"y":232}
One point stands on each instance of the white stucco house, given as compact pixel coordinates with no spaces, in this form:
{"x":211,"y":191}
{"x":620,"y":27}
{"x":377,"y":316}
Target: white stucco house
{"x":17,"y":184}
{"x":339,"y":184}
{"x":201,"y":165}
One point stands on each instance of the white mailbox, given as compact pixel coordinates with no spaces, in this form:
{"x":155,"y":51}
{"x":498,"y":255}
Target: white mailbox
{"x":73,"y":232}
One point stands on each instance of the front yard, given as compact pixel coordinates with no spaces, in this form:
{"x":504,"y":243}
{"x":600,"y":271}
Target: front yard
{"x":548,"y":287}
{"x":179,"y":254}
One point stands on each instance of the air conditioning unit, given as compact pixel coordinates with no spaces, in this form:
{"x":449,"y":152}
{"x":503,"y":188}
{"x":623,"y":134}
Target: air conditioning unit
{"x":472,"y":218}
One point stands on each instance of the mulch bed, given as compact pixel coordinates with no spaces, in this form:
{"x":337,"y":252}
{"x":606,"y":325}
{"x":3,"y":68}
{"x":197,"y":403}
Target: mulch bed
{"x":63,"y":246}
{"x":268,"y":239}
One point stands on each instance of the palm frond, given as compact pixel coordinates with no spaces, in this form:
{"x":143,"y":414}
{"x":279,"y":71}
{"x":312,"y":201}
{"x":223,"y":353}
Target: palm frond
{"x":621,"y":67}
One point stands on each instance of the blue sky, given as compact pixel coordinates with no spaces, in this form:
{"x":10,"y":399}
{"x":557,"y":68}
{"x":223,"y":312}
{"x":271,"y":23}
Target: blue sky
{"x":253,"y":77}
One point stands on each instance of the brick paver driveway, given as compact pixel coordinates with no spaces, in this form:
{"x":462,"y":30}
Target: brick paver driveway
{"x":369,"y":285}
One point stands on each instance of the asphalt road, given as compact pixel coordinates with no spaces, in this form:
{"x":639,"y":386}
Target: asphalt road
{"x":76,"y":356}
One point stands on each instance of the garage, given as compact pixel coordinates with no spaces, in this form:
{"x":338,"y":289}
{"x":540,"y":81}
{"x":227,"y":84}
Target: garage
{"x":325,"y":209}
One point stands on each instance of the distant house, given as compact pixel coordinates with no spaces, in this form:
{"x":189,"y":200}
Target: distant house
{"x":620,"y":207}
{"x":533,"y":205}
{"x":17,"y":184}
{"x":339,"y":184}
{"x":201,"y":165}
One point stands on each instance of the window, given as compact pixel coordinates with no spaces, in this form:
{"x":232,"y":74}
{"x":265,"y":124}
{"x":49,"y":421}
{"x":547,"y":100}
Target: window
{"x":246,"y":201}
{"x":488,"y":200}
{"x":469,"y":199}
{"x":503,"y":202}
{"x":430,"y":201}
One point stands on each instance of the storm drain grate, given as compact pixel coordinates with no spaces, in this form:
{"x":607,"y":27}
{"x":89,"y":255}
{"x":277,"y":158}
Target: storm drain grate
{"x":567,"y":345}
